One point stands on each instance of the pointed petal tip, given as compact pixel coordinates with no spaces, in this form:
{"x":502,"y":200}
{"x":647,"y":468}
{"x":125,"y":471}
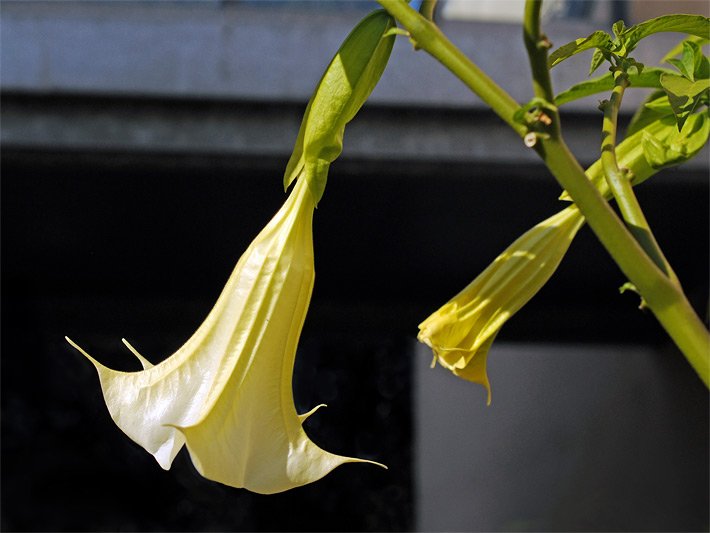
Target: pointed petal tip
{"x":143,"y":361}
{"x":304,"y":416}
{"x":83,"y":352}
{"x":379,"y":464}
{"x":355,"y":460}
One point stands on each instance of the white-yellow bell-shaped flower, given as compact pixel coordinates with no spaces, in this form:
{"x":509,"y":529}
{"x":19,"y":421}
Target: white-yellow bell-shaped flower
{"x":227,"y":392}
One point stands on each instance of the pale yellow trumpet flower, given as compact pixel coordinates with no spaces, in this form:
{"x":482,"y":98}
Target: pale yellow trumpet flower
{"x":227,"y":393}
{"x":461,"y":332}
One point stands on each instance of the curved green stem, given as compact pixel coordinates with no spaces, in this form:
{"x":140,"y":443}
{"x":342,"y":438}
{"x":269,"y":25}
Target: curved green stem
{"x":428,"y":37}
{"x":619,"y":181}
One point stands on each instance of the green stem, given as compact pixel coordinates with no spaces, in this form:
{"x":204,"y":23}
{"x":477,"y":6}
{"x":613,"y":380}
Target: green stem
{"x":662,"y":295}
{"x":537,"y":45}
{"x":620,"y":183}
{"x":428,"y":37}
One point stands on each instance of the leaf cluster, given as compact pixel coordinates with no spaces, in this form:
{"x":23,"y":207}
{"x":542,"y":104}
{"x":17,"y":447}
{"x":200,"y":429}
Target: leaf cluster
{"x":681,"y":92}
{"x":626,"y":39}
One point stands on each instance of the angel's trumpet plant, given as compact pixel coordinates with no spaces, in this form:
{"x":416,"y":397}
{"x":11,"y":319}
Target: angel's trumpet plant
{"x":227,"y":392}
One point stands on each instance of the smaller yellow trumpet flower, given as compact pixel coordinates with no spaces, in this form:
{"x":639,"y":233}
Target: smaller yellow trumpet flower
{"x":461,"y":332}
{"x":227,"y":392}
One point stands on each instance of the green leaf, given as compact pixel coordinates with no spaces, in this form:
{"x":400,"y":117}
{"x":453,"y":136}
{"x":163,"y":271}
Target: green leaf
{"x":649,"y":78}
{"x":677,"y":49}
{"x":597,"y":59}
{"x":653,"y":150}
{"x":685,"y":70}
{"x":702,"y":68}
{"x":683,"y":94}
{"x":660,"y":105}
{"x":618,"y":28}
{"x":697,"y":25}
{"x":689,"y":61}
{"x":598,"y":39}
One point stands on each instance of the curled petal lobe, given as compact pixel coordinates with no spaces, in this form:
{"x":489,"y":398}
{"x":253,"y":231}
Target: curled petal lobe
{"x":226,"y":393}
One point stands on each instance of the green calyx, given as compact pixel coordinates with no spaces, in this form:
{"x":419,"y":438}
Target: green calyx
{"x":345,"y":86}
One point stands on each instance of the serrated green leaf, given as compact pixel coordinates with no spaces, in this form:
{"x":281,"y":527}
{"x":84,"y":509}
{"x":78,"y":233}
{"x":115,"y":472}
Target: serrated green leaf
{"x":598,"y":39}
{"x":649,"y":78}
{"x":697,"y":25}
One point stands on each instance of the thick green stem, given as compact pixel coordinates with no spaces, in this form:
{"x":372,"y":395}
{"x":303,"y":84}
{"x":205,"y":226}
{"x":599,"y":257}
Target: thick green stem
{"x":662,"y":295}
{"x":428,"y":37}
{"x":619,"y":181}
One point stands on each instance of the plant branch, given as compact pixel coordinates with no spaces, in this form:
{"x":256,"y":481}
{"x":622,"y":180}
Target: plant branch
{"x":663,"y":295}
{"x":428,"y":37}
{"x":537,"y":45}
